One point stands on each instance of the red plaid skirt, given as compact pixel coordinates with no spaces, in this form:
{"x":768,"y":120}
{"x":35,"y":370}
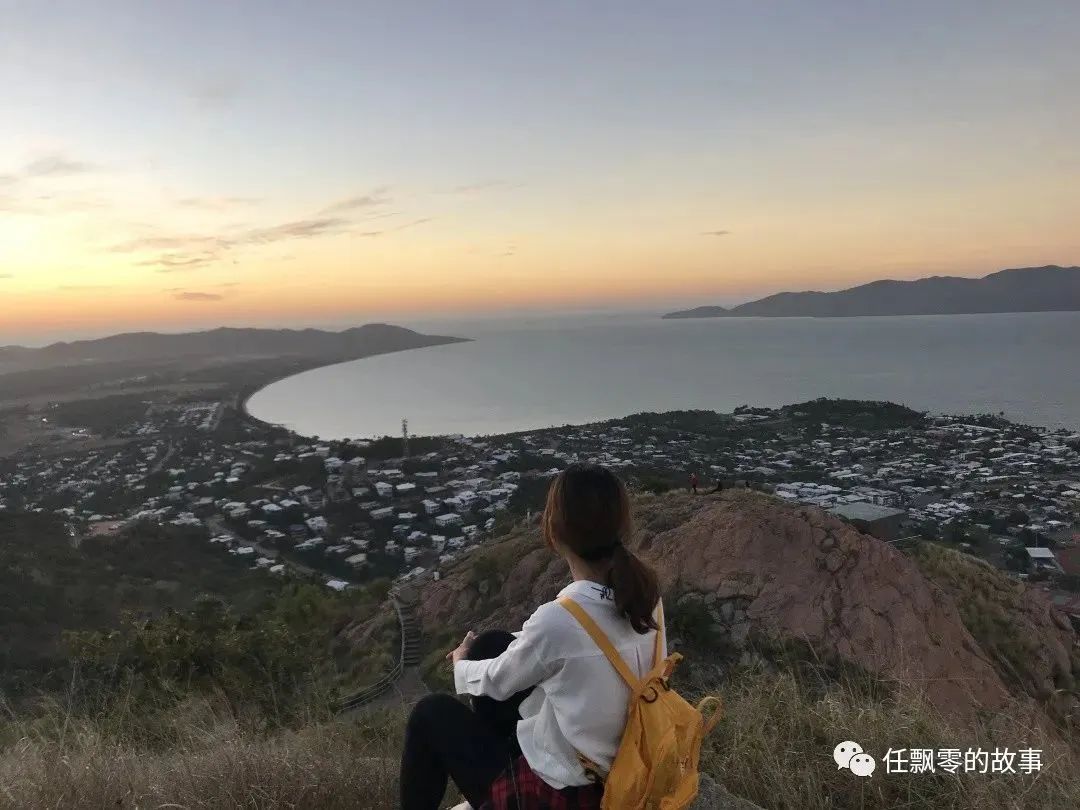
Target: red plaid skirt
{"x":518,"y":788}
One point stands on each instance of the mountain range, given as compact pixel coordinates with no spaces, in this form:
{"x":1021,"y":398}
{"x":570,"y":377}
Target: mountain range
{"x":372,"y":338}
{"x":1027,"y":289}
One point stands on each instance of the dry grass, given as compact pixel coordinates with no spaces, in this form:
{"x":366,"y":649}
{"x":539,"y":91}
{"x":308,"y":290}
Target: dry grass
{"x":775,"y":747}
{"x":212,"y":763}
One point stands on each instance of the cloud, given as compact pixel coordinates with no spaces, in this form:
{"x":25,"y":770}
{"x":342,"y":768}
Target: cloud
{"x":55,"y":165}
{"x":187,"y":295}
{"x":84,"y":287}
{"x":191,"y":251}
{"x":488,"y":185}
{"x":21,"y":196}
{"x":300,"y":229}
{"x":188,"y":251}
{"x":375,"y":198}
{"x":7,"y":275}
{"x":715,"y":233}
{"x":216,"y":203}
{"x":166,"y":243}
{"x":175,"y":253}
{"x":179,"y":261}
{"x":402,"y":227}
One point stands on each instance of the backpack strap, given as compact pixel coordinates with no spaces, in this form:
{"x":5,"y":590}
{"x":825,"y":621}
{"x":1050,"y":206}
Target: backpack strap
{"x":602,"y":641}
{"x":658,"y":650}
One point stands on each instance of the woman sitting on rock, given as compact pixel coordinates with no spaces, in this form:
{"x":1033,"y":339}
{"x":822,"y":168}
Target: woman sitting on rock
{"x":545,"y":699}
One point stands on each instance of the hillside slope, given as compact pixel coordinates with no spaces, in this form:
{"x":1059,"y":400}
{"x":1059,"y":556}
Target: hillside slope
{"x":741,"y":571}
{"x":372,"y":338}
{"x":1030,"y":644}
{"x":57,"y":590}
{"x":1027,"y":289}
{"x":762,"y":570}
{"x":52,"y":582}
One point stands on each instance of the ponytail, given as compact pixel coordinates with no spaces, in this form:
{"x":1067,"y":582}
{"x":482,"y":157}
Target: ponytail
{"x":635,"y":587}
{"x":588,"y":513}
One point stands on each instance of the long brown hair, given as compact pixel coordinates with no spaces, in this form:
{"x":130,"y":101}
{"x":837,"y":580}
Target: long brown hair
{"x":588,"y":512}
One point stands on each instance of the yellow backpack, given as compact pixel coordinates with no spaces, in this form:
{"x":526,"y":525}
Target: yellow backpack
{"x":656,"y":766}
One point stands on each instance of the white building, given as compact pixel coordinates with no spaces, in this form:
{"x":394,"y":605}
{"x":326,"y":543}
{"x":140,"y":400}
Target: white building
{"x":1043,"y":558}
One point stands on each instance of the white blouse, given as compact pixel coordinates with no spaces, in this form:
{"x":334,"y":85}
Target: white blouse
{"x":580,"y":702}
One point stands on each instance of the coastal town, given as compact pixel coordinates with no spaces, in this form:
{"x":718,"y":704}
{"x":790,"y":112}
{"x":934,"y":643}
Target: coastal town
{"x":405,"y":508}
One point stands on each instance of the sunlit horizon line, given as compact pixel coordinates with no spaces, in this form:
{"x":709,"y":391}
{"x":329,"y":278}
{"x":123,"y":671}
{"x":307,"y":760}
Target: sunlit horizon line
{"x":64,"y":326}
{"x":417,"y":322}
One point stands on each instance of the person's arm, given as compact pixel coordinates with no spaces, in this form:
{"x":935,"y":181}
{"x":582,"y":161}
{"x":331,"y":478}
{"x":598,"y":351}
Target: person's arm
{"x":521,"y":666}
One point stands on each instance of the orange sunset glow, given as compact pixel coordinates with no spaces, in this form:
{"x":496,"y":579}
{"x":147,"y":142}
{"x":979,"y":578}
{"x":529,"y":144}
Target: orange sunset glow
{"x":278,"y":185}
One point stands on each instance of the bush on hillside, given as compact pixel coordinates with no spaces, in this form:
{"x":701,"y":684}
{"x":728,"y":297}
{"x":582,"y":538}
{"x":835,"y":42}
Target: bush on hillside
{"x":275,"y":666}
{"x":865,"y":414}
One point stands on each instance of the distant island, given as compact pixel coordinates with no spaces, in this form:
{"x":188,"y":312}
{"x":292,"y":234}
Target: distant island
{"x":1026,"y":289}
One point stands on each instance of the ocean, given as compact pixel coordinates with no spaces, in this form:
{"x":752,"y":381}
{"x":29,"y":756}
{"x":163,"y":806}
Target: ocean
{"x":523,"y":374}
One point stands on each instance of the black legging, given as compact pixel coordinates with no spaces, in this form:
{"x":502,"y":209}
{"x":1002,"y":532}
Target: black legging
{"x":445,"y":739}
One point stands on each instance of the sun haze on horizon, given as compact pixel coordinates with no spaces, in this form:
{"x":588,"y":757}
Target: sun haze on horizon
{"x":183,"y":165}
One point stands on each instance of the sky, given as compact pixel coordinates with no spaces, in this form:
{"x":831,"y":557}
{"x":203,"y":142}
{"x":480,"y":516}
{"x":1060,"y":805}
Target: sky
{"x":261,"y":162}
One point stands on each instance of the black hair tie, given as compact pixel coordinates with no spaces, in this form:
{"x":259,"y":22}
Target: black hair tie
{"x":601,"y":553}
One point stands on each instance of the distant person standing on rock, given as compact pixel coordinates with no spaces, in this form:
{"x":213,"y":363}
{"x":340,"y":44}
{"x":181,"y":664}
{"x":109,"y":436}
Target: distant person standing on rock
{"x":693,"y":482}
{"x":519,"y":746}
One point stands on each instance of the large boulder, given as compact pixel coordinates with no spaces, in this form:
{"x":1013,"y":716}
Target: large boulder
{"x":799,"y":573}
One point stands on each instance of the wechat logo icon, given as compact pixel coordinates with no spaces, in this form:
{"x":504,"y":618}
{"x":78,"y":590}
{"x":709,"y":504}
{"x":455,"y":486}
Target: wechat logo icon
{"x":850,"y":755}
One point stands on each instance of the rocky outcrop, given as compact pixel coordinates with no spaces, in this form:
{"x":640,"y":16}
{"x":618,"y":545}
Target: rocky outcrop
{"x":761,"y":568}
{"x":1056,"y":661}
{"x":799,"y":573}
{"x":1030,"y":643}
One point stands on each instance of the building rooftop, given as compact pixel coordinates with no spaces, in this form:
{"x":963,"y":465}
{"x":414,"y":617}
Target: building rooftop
{"x":869,"y":512}
{"x":1039,"y":553}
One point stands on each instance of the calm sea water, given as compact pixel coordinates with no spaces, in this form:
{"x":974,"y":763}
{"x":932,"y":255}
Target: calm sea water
{"x":521,"y":375}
